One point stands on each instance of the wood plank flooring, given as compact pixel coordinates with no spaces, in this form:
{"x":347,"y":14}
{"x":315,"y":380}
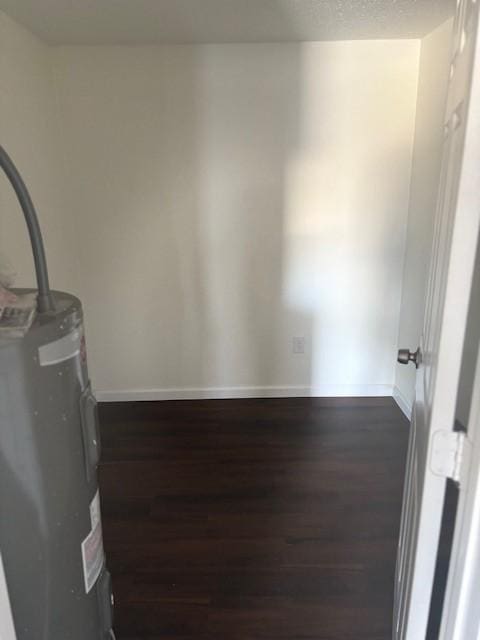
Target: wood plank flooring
{"x":270,"y":519}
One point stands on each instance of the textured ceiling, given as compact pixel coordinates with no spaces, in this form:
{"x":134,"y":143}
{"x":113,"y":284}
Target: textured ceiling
{"x":203,"y":21}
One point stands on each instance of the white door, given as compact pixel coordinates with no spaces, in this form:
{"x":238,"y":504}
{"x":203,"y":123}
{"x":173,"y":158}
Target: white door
{"x":434,"y":446}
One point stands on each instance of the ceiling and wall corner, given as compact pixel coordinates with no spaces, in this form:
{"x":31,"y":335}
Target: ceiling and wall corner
{"x":225,"y":21}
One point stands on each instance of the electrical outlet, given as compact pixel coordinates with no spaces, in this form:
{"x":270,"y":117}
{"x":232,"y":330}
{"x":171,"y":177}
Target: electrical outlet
{"x":298,"y":344}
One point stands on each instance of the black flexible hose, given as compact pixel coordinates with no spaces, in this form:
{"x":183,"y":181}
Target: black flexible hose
{"x":45,"y":300}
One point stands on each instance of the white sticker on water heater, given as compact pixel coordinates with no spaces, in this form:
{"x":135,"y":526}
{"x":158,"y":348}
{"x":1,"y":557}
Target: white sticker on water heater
{"x":62,"y":349}
{"x":92,"y":546}
{"x":95,"y":516}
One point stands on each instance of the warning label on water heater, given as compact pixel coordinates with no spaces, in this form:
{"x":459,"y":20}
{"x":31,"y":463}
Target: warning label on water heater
{"x":92,"y":546}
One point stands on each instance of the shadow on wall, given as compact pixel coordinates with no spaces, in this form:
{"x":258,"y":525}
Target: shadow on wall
{"x":188,"y":172}
{"x":234,"y":197}
{"x":347,"y":202}
{"x":249,"y":131}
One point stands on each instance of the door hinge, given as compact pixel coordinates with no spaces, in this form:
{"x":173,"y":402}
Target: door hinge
{"x":450,"y":451}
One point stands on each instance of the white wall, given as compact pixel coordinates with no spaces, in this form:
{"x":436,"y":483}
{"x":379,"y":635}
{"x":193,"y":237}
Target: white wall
{"x":230,"y":197}
{"x":30,"y":134}
{"x":432,"y":90}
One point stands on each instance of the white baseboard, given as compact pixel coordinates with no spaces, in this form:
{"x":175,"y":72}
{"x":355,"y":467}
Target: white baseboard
{"x":216,"y":393}
{"x":402,"y":402}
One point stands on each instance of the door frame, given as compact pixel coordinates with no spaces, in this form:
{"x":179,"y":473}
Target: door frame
{"x":461,"y":609}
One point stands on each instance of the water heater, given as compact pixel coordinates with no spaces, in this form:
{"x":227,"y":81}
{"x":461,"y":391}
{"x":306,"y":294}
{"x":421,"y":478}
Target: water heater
{"x":53,"y":581}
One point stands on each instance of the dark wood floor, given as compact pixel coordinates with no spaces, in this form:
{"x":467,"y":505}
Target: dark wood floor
{"x":253,"y":519}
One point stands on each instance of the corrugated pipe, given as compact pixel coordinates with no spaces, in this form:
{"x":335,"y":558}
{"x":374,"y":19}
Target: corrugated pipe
{"x":45,"y":301}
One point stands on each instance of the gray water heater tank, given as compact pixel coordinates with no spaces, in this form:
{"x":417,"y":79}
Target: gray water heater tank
{"x":50,"y":525}
{"x":53,"y":580}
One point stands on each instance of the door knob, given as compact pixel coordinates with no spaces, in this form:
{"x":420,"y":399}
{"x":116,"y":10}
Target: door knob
{"x":405,"y":356}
